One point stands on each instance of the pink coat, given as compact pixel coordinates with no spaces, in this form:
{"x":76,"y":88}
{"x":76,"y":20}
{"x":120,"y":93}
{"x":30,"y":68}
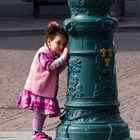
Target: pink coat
{"x":40,"y":80}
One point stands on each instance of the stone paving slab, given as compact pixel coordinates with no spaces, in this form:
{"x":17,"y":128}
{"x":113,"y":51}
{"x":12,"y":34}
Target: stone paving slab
{"x":16,"y":54}
{"x":27,"y":135}
{"x":15,"y":62}
{"x":31,"y":26}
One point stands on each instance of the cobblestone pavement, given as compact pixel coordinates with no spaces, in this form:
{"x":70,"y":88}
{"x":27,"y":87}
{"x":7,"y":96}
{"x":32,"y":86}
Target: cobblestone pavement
{"x":16,"y":54}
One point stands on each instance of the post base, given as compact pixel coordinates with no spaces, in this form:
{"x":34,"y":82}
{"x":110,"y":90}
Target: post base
{"x":76,"y":131}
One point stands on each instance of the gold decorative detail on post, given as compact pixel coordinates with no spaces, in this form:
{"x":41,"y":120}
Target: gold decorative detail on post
{"x":103,"y":51}
{"x":107,"y":62}
{"x":110,"y":51}
{"x":107,"y":54}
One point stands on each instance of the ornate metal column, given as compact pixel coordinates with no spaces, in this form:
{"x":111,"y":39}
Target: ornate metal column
{"x":92,"y":101}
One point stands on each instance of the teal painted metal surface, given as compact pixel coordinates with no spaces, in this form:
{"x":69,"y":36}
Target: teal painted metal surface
{"x":92,"y":106}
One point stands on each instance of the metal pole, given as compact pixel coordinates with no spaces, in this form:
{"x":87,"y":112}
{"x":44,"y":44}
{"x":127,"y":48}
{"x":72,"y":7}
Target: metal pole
{"x":92,"y":106}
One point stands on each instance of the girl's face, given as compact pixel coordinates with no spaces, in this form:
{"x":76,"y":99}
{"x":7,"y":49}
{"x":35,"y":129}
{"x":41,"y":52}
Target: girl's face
{"x":58,"y":44}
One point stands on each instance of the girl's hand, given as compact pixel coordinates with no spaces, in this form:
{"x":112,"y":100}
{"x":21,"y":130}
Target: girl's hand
{"x":65,"y":53}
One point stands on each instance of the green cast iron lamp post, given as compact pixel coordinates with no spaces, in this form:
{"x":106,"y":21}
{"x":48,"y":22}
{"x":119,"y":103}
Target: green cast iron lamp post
{"x":92,"y":100}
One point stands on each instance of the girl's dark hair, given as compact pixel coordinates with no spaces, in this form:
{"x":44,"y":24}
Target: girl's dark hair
{"x":54,"y":29}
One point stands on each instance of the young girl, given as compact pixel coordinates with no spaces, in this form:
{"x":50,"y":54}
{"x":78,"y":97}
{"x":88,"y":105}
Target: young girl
{"x":41,"y":86}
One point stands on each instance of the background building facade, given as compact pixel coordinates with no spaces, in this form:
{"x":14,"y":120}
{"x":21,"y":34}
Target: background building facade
{"x":15,"y":8}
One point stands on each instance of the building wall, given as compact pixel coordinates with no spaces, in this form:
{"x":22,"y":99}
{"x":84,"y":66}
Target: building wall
{"x":14,"y":8}
{"x":132,"y":7}
{"x":20,"y":8}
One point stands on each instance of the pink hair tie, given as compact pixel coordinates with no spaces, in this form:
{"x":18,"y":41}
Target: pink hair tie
{"x":53,"y":24}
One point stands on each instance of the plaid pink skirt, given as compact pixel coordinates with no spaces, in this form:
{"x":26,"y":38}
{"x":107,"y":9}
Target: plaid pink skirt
{"x":35,"y":102}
